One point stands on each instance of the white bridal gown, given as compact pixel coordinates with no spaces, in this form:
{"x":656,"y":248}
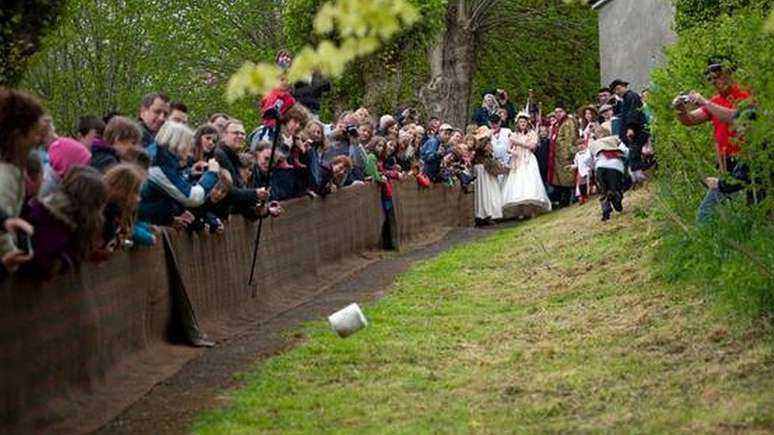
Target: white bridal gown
{"x":523,"y":192}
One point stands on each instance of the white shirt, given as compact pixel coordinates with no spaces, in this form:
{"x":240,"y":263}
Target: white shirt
{"x":581,"y":157}
{"x":501,"y":144}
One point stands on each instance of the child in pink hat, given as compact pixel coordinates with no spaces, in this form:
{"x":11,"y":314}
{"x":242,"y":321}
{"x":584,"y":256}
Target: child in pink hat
{"x":63,"y":154}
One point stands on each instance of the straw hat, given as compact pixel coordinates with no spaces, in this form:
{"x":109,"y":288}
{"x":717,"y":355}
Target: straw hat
{"x":482,"y":132}
{"x":582,"y":110}
{"x":524,"y":115}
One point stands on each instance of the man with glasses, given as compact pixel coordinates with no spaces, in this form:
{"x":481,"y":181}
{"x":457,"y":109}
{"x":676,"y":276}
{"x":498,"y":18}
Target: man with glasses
{"x":243,"y":199}
{"x":721,"y":110}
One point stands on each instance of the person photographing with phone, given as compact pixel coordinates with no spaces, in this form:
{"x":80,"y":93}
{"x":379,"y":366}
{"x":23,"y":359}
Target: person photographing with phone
{"x":693,"y":109}
{"x":21,"y":128}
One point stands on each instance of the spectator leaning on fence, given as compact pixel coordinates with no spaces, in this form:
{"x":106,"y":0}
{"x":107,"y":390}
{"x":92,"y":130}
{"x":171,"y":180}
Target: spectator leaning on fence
{"x":721,"y":110}
{"x":168,"y":191}
{"x":121,"y":135}
{"x":90,"y":128}
{"x":242,"y":198}
{"x":68,"y":223}
{"x":20,"y":131}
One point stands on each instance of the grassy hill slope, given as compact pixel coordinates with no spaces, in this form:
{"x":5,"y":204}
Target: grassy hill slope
{"x":558,"y":324}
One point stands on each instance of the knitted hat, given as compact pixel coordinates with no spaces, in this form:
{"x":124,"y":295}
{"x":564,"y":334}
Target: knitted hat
{"x":65,"y":153}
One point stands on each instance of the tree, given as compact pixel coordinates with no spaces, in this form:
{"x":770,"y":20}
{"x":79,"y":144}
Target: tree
{"x":106,"y":54}
{"x":470,"y":24}
{"x":23,"y":23}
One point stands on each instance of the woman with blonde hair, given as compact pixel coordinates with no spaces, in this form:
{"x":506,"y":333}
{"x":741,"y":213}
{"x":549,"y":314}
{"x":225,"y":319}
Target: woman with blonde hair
{"x":488,"y":108}
{"x":168,"y":192}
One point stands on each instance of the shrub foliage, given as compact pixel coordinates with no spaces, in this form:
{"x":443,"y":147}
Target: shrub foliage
{"x":733,"y":256}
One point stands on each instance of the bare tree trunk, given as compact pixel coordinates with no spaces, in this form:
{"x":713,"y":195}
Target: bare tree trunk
{"x":452,"y":65}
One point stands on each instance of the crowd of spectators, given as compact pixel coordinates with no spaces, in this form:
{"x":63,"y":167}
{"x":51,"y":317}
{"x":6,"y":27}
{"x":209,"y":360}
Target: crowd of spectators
{"x":64,"y":199}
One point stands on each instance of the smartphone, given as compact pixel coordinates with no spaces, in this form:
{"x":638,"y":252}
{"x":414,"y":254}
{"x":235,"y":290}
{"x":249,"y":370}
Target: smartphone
{"x":24,"y":242}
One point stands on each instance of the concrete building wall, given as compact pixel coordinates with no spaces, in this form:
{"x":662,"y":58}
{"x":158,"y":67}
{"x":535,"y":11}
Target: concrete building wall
{"x":632,"y":35}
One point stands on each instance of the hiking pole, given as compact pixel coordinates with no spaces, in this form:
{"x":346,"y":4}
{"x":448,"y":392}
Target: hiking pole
{"x":274,"y":112}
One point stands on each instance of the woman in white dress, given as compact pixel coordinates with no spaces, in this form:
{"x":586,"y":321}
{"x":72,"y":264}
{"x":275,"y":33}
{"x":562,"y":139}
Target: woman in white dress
{"x":523,"y":192}
{"x":488,"y":196}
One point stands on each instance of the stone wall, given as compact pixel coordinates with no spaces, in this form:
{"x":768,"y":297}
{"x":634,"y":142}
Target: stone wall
{"x":632,"y":35}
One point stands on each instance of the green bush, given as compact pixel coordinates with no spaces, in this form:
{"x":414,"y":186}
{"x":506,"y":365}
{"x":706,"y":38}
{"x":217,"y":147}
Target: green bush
{"x":690,"y":13}
{"x":733,"y":256}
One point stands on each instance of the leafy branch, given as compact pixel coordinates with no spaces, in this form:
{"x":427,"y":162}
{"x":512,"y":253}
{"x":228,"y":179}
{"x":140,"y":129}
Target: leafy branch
{"x":359,"y":26}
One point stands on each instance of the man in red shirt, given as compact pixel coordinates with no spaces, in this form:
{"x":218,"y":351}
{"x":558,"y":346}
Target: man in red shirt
{"x":721,"y":110}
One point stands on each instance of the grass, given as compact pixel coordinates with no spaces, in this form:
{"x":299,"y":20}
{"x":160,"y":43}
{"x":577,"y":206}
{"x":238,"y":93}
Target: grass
{"x":557,"y":325}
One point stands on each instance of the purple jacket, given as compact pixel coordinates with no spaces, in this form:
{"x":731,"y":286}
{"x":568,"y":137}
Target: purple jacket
{"x":52,"y":244}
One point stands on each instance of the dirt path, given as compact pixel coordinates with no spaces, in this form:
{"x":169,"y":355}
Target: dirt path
{"x":169,"y":406}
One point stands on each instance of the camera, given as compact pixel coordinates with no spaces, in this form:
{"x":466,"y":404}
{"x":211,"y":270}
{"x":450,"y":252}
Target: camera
{"x":352,"y":131}
{"x":682,"y":99}
{"x":274,"y":111}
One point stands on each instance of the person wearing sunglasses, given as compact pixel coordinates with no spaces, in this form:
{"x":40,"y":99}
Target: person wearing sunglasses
{"x":722,"y":110}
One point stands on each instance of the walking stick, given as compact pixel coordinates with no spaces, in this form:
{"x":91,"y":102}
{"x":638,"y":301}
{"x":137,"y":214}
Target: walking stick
{"x":273,"y":112}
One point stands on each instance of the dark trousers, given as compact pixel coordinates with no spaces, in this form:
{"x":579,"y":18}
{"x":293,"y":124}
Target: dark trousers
{"x":610,"y":183}
{"x":635,"y":149}
{"x":562,"y":194}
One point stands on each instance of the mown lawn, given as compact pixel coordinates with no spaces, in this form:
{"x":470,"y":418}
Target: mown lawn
{"x":558,"y":325}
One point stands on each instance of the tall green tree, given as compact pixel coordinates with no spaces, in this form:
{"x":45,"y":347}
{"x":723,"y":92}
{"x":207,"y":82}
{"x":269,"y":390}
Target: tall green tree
{"x":463,"y":47}
{"x":106,"y":54}
{"x":516,"y":45}
{"x":23,"y":23}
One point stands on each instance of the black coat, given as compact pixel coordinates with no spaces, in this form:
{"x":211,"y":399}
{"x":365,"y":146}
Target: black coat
{"x":283,"y":183}
{"x":631,"y":111}
{"x":103,"y":156}
{"x":242,"y":198}
{"x":148,"y":137}
{"x":309,"y":93}
{"x":326,"y":180}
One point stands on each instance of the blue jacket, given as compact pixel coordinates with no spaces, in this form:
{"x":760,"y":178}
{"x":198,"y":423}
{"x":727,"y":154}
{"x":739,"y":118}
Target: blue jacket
{"x":168,"y":192}
{"x":431,"y":157}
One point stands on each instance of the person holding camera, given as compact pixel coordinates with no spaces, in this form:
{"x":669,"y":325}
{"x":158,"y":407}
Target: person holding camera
{"x":693,"y":109}
{"x":345,"y":136}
